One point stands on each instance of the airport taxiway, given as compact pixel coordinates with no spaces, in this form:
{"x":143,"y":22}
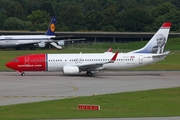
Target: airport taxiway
{"x":40,"y":86}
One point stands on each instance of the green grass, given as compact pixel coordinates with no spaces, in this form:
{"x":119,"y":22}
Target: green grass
{"x":149,"y":103}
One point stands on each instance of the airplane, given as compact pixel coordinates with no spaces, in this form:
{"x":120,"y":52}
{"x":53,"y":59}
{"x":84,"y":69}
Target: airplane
{"x":33,"y":41}
{"x":74,"y":64}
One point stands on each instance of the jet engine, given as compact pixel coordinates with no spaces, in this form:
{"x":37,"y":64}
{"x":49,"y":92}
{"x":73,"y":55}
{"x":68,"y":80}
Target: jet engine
{"x":71,"y":70}
{"x":61,"y":42}
{"x":41,"y":45}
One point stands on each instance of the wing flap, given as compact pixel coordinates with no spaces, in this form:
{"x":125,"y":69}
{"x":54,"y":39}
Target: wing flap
{"x":94,"y":66}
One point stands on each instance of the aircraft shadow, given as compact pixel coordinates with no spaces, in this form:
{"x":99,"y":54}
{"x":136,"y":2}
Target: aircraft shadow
{"x":96,"y":75}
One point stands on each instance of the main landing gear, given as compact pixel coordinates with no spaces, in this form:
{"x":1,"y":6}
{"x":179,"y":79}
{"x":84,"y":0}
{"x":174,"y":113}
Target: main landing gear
{"x":89,"y":73}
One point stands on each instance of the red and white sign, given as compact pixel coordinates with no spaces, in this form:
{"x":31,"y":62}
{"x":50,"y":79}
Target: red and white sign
{"x":88,"y":107}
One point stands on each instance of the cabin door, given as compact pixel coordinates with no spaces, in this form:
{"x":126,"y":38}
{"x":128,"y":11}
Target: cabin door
{"x":26,"y":60}
{"x":140,"y":59}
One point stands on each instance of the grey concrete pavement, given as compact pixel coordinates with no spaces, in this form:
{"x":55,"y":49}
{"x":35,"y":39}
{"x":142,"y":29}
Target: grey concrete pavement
{"x":39,"y":86}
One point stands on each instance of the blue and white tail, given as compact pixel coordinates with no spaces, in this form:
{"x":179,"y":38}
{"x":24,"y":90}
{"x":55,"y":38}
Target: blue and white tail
{"x":52,"y":26}
{"x":157,"y":42}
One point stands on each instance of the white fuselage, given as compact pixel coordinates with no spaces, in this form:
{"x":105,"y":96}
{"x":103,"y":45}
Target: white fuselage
{"x":56,"y":62}
{"x":76,"y":63}
{"x":15,"y":40}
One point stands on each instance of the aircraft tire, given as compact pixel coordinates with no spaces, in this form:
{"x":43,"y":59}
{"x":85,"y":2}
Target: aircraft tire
{"x":22,"y":74}
{"x":89,"y":73}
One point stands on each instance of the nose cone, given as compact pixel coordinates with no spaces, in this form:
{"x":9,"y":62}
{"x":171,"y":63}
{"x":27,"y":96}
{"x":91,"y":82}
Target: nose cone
{"x":9,"y":65}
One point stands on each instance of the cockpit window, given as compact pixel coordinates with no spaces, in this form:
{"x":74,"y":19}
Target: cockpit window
{"x":15,"y":60}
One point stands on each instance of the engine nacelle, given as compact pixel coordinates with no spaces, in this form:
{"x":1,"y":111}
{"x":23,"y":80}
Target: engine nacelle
{"x":71,"y":70}
{"x":61,"y":42}
{"x":41,"y":45}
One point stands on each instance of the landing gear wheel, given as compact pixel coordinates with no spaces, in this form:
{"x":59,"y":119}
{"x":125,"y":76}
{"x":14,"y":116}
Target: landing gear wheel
{"x":22,"y":74}
{"x":89,"y":73}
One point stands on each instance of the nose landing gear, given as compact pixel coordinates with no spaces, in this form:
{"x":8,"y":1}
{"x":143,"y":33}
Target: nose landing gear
{"x":22,"y":73}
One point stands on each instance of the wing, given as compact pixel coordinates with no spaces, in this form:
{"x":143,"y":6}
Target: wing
{"x":74,"y":39}
{"x":65,"y":38}
{"x":61,"y":37}
{"x":95,"y":66}
{"x":26,"y":43}
{"x":58,"y":42}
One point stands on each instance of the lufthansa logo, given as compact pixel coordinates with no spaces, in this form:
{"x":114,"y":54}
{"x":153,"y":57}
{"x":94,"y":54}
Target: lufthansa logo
{"x":52,"y":27}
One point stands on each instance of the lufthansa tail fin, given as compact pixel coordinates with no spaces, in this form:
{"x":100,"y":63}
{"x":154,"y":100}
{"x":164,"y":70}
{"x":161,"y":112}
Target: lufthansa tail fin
{"x":52,"y":26}
{"x":157,"y":42}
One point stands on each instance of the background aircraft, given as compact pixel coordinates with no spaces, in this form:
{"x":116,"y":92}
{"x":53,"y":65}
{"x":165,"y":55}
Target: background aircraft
{"x":76,"y":63}
{"x":32,"y":41}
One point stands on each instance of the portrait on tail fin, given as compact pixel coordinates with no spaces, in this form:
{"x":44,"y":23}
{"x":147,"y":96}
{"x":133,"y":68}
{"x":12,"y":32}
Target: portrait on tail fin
{"x":157,"y":43}
{"x":159,"y":48}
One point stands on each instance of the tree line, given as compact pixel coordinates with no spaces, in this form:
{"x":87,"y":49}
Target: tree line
{"x":90,"y":15}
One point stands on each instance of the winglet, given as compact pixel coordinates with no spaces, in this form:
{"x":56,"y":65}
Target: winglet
{"x":113,"y":58}
{"x":110,"y":49}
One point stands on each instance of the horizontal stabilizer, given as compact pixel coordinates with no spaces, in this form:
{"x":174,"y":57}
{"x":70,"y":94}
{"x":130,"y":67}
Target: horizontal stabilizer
{"x":161,"y":55}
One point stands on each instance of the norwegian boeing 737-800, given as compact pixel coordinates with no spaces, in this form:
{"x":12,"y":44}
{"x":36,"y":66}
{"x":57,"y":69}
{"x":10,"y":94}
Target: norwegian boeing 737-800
{"x":18,"y":41}
{"x":69,"y":64}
